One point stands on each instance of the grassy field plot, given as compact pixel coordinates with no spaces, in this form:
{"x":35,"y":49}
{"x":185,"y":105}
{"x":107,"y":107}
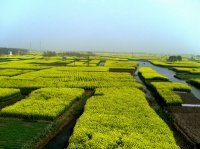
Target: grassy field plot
{"x":17,"y":133}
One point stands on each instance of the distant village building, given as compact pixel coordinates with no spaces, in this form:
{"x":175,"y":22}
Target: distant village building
{"x":12,"y":51}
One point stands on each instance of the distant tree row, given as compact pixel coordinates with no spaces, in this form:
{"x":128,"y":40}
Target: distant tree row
{"x":6,"y":51}
{"x":78,"y":54}
{"x":49,"y":53}
{"x":174,"y":58}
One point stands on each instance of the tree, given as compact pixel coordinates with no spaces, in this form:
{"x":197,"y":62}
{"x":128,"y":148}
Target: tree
{"x":179,"y":58}
{"x":174,"y":58}
{"x":49,"y":53}
{"x":64,"y":58}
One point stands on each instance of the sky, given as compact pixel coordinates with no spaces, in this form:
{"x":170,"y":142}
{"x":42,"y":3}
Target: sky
{"x":151,"y":26}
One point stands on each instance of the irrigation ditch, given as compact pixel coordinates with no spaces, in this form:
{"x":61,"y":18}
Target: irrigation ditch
{"x":101,"y":63}
{"x":58,"y":138}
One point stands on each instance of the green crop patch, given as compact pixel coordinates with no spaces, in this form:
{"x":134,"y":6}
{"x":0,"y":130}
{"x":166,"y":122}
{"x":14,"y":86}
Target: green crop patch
{"x":120,"y":64}
{"x":183,"y":63}
{"x":187,"y":70}
{"x":8,"y":93}
{"x":45,"y":103}
{"x":70,"y":79}
{"x":169,"y":96}
{"x":195,"y":82}
{"x":84,"y":69}
{"x":12,"y":72}
{"x":149,"y":74}
{"x":17,"y":133}
{"x":22,"y":65}
{"x":187,"y":76}
{"x":166,"y":91}
{"x":175,"y":86}
{"x":120,"y":118}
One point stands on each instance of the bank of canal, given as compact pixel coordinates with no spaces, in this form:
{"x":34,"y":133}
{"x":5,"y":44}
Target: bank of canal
{"x":182,"y":139}
{"x":168,"y":73}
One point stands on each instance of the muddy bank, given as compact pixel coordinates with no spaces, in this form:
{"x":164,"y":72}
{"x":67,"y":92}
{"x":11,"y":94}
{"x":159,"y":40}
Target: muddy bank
{"x":188,"y":98}
{"x":188,"y":121}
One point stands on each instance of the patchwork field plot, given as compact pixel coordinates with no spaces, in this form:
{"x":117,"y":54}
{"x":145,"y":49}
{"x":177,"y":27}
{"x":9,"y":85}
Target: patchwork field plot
{"x":149,"y":74}
{"x":195,"y":82}
{"x":41,"y":96}
{"x":12,"y":72}
{"x":74,"y":79}
{"x":113,"y":119}
{"x":120,"y":64}
{"x":187,"y":70}
{"x":183,"y":63}
{"x":8,"y":93}
{"x":45,"y":103}
{"x":18,"y":134}
{"x":165,"y":90}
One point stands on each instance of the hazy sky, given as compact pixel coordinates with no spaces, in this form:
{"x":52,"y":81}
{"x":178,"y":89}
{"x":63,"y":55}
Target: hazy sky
{"x":164,"y":26}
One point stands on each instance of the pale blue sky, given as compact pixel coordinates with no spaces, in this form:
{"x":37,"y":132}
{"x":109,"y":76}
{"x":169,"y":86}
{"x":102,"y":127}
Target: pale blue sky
{"x":162,"y":26}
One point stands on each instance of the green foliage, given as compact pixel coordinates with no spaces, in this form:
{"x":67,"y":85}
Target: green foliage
{"x":175,"y":86}
{"x":195,"y":82}
{"x":149,"y":74}
{"x":61,"y":77}
{"x":187,"y":76}
{"x":84,"y":69}
{"x":12,"y":72}
{"x":22,"y":65}
{"x":61,"y":82}
{"x":49,"y":53}
{"x":169,"y":96}
{"x":8,"y":93}
{"x":187,"y":70}
{"x":183,"y":63}
{"x":78,"y":63}
{"x":174,"y":58}
{"x":120,"y":118}
{"x":45,"y":103}
{"x":166,"y":91}
{"x":120,"y":64}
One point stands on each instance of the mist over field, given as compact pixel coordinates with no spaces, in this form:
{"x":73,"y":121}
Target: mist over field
{"x":151,"y":26}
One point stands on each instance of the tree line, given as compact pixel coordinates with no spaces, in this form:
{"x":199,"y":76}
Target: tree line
{"x":174,"y":58}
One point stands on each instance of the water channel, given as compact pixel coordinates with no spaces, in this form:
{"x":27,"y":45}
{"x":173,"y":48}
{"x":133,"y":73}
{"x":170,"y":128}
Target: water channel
{"x":168,"y":73}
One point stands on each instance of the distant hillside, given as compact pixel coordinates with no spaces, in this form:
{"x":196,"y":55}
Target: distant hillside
{"x":14,"y":50}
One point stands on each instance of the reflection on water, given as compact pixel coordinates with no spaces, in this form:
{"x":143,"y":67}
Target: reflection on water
{"x":168,"y":73}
